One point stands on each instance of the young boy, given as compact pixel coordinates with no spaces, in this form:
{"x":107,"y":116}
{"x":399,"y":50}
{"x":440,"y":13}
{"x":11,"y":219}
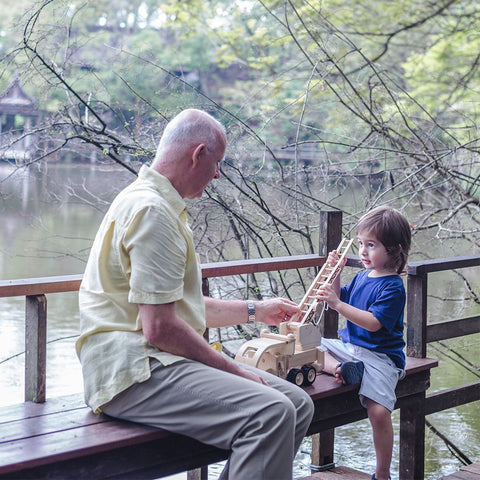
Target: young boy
{"x":370,"y":349}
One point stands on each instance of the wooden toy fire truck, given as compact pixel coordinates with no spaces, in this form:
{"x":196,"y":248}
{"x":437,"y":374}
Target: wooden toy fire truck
{"x":292,"y":353}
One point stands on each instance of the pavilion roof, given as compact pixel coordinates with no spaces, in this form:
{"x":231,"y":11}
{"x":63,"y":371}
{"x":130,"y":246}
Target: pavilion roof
{"x":15,"y":100}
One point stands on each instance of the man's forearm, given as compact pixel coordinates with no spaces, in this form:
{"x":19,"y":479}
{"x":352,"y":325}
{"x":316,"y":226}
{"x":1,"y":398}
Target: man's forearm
{"x":173,"y":335}
{"x":225,"y":313}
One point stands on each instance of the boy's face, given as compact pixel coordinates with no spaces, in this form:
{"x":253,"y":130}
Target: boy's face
{"x":373,"y":255}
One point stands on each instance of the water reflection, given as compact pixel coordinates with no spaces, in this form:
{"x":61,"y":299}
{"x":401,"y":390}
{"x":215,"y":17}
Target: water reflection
{"x":49,"y":218}
{"x":50,"y":215}
{"x":63,"y":368}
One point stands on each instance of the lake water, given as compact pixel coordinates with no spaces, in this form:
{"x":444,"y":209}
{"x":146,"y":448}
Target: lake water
{"x":49,"y":217}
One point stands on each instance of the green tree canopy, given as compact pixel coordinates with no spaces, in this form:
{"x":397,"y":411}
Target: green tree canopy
{"x":319,"y":98}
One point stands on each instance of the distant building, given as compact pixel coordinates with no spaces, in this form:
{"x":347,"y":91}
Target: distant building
{"x":18,"y":116}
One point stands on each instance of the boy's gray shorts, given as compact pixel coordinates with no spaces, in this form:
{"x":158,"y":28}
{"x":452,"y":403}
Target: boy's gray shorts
{"x":380,"y":376}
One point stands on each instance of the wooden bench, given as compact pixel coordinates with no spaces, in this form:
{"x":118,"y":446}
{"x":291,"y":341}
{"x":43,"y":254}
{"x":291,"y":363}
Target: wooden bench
{"x":62,"y":439}
{"x":339,"y":405}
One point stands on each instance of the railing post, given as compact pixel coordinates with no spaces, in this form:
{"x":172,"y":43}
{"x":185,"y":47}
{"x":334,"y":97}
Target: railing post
{"x":412,"y":418}
{"x":322,"y":449}
{"x":417,"y":315}
{"x":35,"y":347}
{"x":206,"y":293}
{"x":202,"y":472}
{"x":412,"y":438}
{"x":205,"y":287}
{"x":330,"y":235}
{"x":330,"y":231}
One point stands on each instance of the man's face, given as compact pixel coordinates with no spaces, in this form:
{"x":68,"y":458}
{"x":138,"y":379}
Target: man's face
{"x":206,"y":169}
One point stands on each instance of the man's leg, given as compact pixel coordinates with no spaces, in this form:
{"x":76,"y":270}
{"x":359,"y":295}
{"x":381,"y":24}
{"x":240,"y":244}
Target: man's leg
{"x":261,"y":425}
{"x":301,"y":401}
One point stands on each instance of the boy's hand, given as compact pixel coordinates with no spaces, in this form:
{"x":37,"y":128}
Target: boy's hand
{"x":333,"y":258}
{"x":326,"y":293}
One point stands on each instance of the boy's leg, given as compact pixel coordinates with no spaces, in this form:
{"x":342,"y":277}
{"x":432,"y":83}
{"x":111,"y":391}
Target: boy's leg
{"x":330,"y":364}
{"x":335,"y":353}
{"x":381,"y":421}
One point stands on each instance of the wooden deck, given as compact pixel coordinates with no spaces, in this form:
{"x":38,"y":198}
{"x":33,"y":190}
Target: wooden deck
{"x":469,"y":472}
{"x":339,"y":473}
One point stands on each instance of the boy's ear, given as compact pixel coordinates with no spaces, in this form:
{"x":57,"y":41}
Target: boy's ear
{"x":394,"y":250}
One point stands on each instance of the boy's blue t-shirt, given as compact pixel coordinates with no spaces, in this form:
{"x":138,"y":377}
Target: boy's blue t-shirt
{"x":385,"y":298}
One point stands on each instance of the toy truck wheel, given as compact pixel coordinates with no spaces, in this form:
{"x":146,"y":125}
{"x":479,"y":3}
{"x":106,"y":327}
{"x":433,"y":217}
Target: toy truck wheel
{"x":309,"y":375}
{"x":296,"y":376}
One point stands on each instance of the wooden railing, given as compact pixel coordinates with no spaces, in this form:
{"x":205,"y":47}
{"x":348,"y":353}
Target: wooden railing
{"x":35,"y":290}
{"x":419,"y":331}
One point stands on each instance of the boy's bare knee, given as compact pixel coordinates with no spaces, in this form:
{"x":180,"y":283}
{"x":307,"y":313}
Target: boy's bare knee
{"x":377,"y":411}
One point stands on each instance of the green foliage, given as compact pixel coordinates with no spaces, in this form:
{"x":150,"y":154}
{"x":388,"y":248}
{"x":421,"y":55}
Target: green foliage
{"x":378,"y":87}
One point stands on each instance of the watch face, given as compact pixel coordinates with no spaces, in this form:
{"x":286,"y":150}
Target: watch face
{"x":251,"y":311}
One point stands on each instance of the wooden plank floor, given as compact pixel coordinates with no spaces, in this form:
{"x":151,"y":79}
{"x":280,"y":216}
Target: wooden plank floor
{"x":339,"y":473}
{"x":469,"y":472}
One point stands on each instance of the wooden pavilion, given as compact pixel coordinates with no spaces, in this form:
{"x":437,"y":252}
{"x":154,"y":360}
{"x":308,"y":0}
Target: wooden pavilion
{"x":18,"y":115}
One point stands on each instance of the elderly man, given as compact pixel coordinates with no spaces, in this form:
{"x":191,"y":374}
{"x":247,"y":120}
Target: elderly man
{"x":142,"y":316}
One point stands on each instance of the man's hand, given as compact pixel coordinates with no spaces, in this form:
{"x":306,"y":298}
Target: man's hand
{"x":275,"y":310}
{"x":248,"y":374}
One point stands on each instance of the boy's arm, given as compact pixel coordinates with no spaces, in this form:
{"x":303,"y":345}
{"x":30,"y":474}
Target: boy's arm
{"x":362,"y":318}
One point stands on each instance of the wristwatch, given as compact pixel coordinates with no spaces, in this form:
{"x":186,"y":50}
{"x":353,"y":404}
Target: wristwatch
{"x":251,"y":312}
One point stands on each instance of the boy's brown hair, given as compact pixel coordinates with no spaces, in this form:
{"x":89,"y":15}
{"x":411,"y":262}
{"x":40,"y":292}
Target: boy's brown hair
{"x":392,"y":229}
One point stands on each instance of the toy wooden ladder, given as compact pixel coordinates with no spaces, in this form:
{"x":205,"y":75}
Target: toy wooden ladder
{"x":326,"y":275}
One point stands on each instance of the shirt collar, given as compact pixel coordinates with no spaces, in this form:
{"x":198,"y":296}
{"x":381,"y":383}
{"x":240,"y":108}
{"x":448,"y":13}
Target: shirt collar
{"x":164,"y":187}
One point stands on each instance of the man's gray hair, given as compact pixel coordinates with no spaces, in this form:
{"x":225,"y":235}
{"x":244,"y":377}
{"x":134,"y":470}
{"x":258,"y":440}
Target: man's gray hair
{"x":192,"y":126}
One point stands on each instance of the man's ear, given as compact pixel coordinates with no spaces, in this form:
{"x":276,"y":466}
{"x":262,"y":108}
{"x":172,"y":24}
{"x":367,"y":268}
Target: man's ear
{"x":199,"y":150}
